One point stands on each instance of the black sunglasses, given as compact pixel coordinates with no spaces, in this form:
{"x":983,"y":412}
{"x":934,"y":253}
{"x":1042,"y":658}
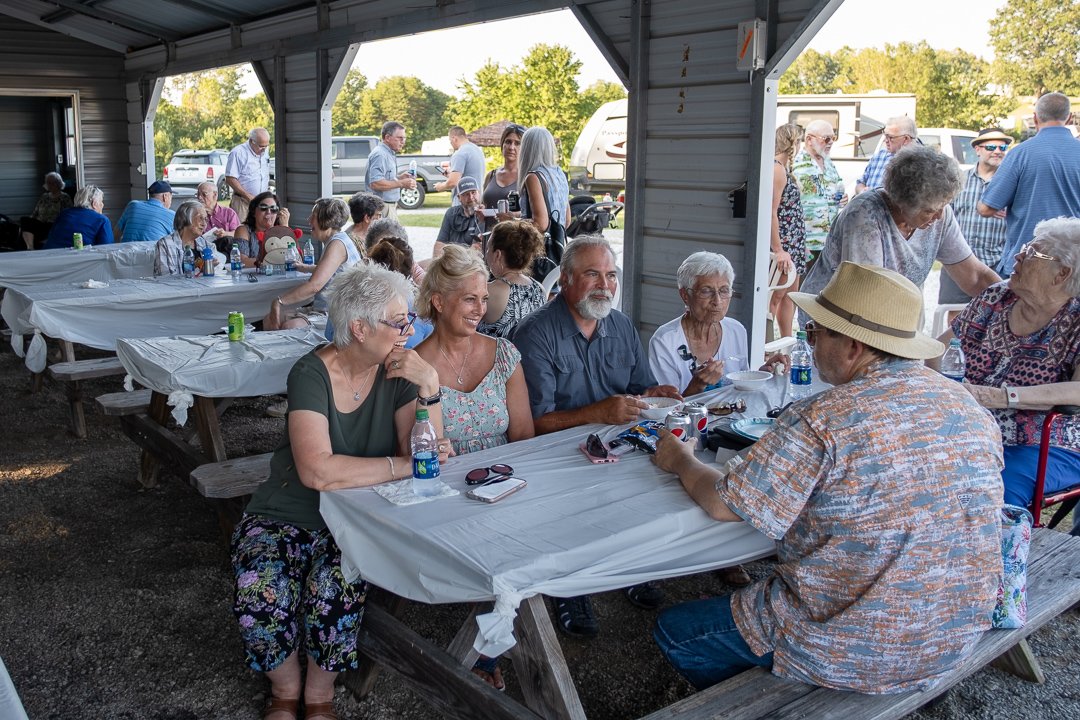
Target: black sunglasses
{"x":495,"y":473}
{"x":595,"y":446}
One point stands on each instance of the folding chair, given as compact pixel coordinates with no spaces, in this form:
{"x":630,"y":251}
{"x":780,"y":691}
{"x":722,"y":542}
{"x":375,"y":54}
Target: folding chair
{"x":776,"y":283}
{"x":1068,"y":497}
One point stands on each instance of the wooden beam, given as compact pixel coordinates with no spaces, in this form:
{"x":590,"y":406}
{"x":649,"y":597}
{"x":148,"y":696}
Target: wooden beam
{"x":607,"y":48}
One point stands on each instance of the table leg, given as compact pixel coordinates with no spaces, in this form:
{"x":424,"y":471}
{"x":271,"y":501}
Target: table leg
{"x":461,"y":647}
{"x":361,"y":681}
{"x":540,"y":665}
{"x":206,"y":420}
{"x":149,"y":465}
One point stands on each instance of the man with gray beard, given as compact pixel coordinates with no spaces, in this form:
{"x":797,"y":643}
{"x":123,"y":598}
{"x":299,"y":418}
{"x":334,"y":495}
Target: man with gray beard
{"x":584,"y":363}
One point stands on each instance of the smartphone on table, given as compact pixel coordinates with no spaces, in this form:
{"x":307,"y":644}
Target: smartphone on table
{"x":496,"y":489}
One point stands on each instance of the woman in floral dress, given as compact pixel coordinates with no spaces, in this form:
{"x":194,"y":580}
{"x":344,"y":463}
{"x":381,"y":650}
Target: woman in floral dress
{"x":485,"y":401}
{"x":788,"y":239}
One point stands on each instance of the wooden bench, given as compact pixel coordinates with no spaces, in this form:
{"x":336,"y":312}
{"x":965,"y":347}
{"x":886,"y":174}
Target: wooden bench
{"x":1053,"y":587}
{"x":119,"y":404}
{"x":228,"y":483}
{"x":72,"y":372}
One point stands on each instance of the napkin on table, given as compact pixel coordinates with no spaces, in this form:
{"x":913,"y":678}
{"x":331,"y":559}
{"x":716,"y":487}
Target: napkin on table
{"x":400,"y":492}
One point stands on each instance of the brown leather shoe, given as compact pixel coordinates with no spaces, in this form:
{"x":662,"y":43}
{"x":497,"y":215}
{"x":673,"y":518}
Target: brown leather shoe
{"x":323,"y":711}
{"x":735,"y":575}
{"x":279,"y":705}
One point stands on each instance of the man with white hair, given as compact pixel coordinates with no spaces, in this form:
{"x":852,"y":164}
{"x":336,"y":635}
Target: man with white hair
{"x":1037,"y":180}
{"x":247,"y":170}
{"x":819,"y":182}
{"x":217,"y":215}
{"x":899,"y":132}
{"x":584,"y":363}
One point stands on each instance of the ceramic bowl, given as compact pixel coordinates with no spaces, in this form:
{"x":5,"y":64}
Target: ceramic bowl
{"x":749,"y":379}
{"x":659,"y":407}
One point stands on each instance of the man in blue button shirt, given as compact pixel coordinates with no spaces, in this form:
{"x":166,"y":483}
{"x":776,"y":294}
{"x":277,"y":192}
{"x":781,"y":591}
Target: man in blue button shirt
{"x":382,"y":177}
{"x":1038,"y":180}
{"x":584,"y":363}
{"x":149,"y":219}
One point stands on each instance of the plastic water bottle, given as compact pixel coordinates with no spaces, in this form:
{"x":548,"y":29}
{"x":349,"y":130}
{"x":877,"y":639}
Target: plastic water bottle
{"x":802,"y":368}
{"x":291,"y":257}
{"x":412,"y":168}
{"x":208,"y":261}
{"x":309,"y":252}
{"x":235,"y":264}
{"x":189,"y":262}
{"x":953,"y":364}
{"x":425,"y":455}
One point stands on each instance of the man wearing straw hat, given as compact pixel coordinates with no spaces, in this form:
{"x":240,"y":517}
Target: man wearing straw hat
{"x":883,"y":493}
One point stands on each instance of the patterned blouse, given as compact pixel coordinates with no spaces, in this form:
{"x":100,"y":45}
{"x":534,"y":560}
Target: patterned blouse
{"x":523,"y":299}
{"x":817,"y":186}
{"x":48,"y":208}
{"x":479,"y":419}
{"x":995,"y":356}
{"x":789,"y":216}
{"x":884,"y":495}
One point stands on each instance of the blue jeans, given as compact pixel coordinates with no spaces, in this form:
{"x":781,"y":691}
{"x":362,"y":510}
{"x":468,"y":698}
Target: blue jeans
{"x":1021,"y":466}
{"x":701,"y":642}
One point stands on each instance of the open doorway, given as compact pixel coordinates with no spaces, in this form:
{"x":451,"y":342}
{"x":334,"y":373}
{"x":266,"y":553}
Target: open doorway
{"x":40,"y":136}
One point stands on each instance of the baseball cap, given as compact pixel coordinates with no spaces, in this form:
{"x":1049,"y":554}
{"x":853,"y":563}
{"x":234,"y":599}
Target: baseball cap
{"x":158,"y":187}
{"x":466,"y":184}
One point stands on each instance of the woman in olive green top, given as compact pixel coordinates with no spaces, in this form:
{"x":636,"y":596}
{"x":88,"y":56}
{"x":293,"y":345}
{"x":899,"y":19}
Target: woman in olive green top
{"x":351,"y":409}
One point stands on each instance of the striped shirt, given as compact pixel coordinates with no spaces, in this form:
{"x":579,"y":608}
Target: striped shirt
{"x":145,"y":220}
{"x":884,"y":495}
{"x":985,"y":235}
{"x":874,"y":174}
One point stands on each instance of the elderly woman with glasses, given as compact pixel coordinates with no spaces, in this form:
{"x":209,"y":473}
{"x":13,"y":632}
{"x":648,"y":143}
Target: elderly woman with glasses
{"x":327,"y":219}
{"x":264,"y":212}
{"x":693,"y":351}
{"x":189,"y":231}
{"x":352,"y":404}
{"x":1021,"y":339}
{"x":905,"y":226}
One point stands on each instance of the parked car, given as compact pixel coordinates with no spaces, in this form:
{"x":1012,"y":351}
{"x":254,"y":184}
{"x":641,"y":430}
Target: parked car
{"x":348,"y":166}
{"x":190,"y":168}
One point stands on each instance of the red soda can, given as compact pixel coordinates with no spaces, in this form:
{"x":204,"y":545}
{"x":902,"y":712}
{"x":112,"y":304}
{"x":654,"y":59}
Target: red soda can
{"x":680,"y":425}
{"x":699,"y":418}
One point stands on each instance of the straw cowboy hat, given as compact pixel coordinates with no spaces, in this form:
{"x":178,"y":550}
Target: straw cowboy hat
{"x":877,"y":307}
{"x":990,"y":134}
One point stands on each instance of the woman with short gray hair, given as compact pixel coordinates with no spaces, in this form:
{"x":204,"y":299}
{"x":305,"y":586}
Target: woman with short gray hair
{"x":352,"y":404}
{"x":189,"y":231}
{"x":85,"y":218}
{"x":695,"y":350}
{"x":1021,"y":339}
{"x":905,"y":226}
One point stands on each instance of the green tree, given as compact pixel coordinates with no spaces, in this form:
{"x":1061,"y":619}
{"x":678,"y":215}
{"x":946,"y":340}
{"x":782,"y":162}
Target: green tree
{"x":600,"y":92}
{"x":345,"y":115}
{"x":815,"y":72}
{"x":418,"y":106}
{"x":1037,"y":46}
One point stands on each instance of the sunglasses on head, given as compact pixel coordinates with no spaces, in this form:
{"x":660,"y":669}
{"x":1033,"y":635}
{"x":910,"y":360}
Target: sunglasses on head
{"x":496,"y":471}
{"x":269,"y":208}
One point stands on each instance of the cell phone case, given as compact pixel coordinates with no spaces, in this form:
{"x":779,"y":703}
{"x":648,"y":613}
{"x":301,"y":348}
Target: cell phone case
{"x":597,"y":460}
{"x":494,"y":492}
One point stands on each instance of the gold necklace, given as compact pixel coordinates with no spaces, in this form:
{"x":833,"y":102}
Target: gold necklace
{"x":457,"y":371}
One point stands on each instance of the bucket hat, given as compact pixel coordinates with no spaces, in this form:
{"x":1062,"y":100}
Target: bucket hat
{"x":877,"y":307}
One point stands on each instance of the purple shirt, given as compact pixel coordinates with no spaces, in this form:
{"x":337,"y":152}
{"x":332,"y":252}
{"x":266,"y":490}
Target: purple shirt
{"x":223,"y":217}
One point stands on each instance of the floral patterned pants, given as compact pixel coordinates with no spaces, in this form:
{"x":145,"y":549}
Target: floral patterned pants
{"x":287,"y":576}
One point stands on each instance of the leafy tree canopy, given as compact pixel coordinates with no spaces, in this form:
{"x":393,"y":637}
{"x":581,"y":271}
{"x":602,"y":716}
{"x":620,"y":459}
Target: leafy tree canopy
{"x":1037,"y":46}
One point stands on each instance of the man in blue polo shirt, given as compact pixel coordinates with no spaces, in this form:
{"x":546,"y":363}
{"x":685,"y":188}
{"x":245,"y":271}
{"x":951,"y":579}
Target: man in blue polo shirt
{"x":148,"y":219}
{"x":1038,"y":180}
{"x":584,"y":363}
{"x":383,"y":178}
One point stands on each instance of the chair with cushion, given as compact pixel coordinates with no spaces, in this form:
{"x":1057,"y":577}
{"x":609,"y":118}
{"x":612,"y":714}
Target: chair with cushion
{"x":1068,"y":497}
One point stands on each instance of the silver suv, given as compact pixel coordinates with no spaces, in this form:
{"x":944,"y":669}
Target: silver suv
{"x":190,"y":168}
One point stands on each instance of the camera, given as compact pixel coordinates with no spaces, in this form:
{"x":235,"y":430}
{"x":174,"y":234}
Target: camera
{"x":513,"y":201}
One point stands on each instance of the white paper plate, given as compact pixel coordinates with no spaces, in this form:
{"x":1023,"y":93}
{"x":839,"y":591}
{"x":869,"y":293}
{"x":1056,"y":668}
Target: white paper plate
{"x":752,"y":428}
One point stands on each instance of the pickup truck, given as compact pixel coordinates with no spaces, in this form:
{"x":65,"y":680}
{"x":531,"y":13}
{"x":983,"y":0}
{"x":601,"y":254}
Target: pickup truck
{"x":348,"y":166}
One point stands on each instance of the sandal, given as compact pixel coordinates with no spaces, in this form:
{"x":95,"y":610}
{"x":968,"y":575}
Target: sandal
{"x":487,"y":669}
{"x":276,"y":704}
{"x":320,"y":710}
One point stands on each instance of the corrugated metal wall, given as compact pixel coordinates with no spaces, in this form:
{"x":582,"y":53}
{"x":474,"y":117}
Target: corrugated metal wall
{"x":34,"y":59}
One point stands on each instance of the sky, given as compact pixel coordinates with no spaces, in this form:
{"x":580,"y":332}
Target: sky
{"x":944,"y":24}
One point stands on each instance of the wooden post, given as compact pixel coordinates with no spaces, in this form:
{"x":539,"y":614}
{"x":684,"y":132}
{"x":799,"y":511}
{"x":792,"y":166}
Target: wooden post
{"x":539,"y":663}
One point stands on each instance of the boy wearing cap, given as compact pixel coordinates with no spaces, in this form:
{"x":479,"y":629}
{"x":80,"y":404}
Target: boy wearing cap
{"x":985,"y":235}
{"x":149,"y":219}
{"x":883,"y":493}
{"x":462,"y":224}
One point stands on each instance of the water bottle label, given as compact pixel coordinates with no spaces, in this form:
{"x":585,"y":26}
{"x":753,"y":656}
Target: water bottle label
{"x":800,"y":375}
{"x":236,"y":266}
{"x":958,"y":377}
{"x":425,"y":465}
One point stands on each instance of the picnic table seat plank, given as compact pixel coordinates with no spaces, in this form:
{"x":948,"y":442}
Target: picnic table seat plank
{"x":72,"y":371}
{"x":231,"y":478}
{"x":1053,"y":587}
{"x":122,"y":403}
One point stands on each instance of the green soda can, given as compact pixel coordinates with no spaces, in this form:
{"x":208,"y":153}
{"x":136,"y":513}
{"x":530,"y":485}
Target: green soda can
{"x":76,"y":241}
{"x":236,"y":326}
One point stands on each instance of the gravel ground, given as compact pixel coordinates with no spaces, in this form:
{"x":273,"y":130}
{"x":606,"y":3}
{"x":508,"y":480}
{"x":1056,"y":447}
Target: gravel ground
{"x":115,"y":600}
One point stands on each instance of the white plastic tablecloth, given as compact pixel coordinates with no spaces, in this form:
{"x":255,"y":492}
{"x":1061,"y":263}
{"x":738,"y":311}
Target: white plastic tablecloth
{"x":156,"y":307}
{"x":213,"y":366}
{"x":66,"y":265}
{"x":576,"y":528}
{"x":10,"y":706}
